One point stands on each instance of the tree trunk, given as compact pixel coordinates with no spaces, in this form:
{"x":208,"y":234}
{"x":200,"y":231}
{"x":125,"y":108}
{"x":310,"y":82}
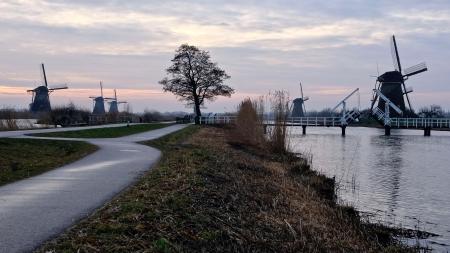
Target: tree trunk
{"x":197,"y":110}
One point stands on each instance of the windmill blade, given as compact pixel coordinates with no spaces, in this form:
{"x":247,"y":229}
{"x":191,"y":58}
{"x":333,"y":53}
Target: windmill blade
{"x":416,"y":69}
{"x":305,"y":98}
{"x":374,"y":100}
{"x":44,"y":75}
{"x":395,"y":56}
{"x":375,"y":95}
{"x":407,"y":96}
{"x":301,"y":89}
{"x":59,"y":87}
{"x":101,"y":88}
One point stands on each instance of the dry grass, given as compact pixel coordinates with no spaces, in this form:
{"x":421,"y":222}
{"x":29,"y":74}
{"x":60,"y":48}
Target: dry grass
{"x":207,"y":195}
{"x":278,"y":135}
{"x":8,"y":121}
{"x":248,"y":127}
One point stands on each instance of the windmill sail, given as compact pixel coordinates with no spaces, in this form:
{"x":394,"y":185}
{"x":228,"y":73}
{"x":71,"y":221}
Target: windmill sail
{"x":392,"y":84}
{"x":40,"y":101}
{"x":416,"y":69}
{"x":299,"y":108}
{"x":395,"y":56}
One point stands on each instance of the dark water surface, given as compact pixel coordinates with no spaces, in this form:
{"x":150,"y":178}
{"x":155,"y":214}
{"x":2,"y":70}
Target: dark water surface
{"x":402,"y":179}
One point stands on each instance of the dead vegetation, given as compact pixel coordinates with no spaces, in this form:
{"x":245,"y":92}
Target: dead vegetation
{"x":249,"y":127}
{"x":209,"y":194}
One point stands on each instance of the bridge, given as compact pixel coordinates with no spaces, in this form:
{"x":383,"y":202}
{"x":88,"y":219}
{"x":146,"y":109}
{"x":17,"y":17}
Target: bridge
{"x":304,"y":122}
{"x":347,"y":117}
{"x":398,"y":123}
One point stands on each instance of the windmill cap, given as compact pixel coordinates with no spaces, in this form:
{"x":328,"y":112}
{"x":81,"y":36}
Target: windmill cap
{"x":391,"y":76}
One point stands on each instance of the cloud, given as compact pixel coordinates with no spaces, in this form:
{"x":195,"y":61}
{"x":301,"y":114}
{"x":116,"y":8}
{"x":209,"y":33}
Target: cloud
{"x":331,"y":46}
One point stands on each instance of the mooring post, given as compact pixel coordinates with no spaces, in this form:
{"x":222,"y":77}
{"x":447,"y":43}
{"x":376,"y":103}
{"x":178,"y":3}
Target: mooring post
{"x":427,"y":131}
{"x":265,"y":129}
{"x":343,"y":129}
{"x":387,"y":130}
{"x":303,"y":130}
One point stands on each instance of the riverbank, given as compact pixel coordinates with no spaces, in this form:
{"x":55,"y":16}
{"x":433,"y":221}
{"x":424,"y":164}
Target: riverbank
{"x":208,"y":194}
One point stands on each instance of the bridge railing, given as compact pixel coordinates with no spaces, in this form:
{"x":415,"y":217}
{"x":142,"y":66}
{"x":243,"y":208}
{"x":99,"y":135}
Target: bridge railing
{"x":217,"y":120}
{"x":291,"y":121}
{"x":314,"y":121}
{"x":420,"y":122}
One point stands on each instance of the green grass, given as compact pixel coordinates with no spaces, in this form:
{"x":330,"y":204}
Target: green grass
{"x":110,"y":132}
{"x":22,"y":158}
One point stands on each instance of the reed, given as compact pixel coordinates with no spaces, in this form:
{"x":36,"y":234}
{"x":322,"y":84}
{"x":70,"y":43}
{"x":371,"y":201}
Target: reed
{"x":248,"y":126}
{"x":278,"y":136}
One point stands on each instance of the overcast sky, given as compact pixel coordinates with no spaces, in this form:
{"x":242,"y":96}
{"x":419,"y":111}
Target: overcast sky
{"x":332,"y":47}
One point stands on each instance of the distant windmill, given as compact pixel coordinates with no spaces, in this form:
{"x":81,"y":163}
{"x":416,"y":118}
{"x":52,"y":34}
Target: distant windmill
{"x":99,"y":102}
{"x":113,"y":104}
{"x":392,"y":83}
{"x":299,"y":109}
{"x":40,"y":101}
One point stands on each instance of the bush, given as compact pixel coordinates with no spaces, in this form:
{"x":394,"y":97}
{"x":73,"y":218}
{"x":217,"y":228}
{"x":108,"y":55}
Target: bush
{"x":248,"y":126}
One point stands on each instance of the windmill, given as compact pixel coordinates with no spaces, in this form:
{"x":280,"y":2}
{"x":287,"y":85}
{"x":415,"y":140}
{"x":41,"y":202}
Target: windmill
{"x":99,"y":102}
{"x":40,"y":101}
{"x":392,"y":83}
{"x":113,"y":104}
{"x":299,"y":109}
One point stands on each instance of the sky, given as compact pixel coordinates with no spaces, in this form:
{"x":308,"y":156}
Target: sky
{"x":332,"y":47}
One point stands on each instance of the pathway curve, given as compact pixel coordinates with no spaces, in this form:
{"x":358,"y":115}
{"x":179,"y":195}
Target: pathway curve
{"x":36,"y":209}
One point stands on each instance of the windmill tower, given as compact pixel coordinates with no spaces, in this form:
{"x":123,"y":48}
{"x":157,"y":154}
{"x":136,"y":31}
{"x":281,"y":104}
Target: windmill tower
{"x":299,"y":109}
{"x":114,"y":104}
{"x":99,"y":102}
{"x":40,"y":100}
{"x":392,"y":83}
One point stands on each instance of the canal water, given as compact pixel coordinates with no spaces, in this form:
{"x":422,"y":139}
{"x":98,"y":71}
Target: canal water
{"x":401,"y":180}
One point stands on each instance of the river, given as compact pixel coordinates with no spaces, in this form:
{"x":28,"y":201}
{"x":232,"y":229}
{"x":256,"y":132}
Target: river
{"x":401,"y":180}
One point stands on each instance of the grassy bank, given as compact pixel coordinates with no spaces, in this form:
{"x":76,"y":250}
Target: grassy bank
{"x":212,"y":194}
{"x":109,"y":132}
{"x":22,"y":158}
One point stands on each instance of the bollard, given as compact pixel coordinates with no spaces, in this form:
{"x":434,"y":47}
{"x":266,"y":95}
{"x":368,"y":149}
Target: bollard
{"x":343,"y":130}
{"x":387,"y":130}
{"x":427,"y":131}
{"x":303,"y":130}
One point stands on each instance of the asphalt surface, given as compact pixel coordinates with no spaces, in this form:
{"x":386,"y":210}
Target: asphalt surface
{"x":39,"y":208}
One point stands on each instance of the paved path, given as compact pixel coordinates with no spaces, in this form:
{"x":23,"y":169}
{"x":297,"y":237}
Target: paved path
{"x":36,"y":209}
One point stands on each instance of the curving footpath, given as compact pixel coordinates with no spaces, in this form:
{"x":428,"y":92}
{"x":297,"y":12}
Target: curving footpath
{"x":36,"y":209}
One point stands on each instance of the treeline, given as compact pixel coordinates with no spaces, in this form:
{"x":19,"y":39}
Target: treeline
{"x":72,"y":115}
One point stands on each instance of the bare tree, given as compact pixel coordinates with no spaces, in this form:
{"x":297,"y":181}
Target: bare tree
{"x":193,"y":78}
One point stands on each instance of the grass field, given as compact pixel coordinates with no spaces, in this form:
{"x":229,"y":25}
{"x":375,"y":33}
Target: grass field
{"x":210,"y":195}
{"x":109,"y":132}
{"x":22,"y":158}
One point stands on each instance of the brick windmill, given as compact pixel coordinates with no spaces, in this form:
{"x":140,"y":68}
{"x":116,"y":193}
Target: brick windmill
{"x":299,"y":109}
{"x":40,"y":100}
{"x":392,"y":84}
{"x":99,"y":102}
{"x":114,"y":104}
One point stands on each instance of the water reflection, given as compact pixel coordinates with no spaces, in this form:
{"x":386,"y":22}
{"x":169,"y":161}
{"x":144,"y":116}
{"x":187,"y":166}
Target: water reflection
{"x":401,"y":179}
{"x":388,"y":152}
